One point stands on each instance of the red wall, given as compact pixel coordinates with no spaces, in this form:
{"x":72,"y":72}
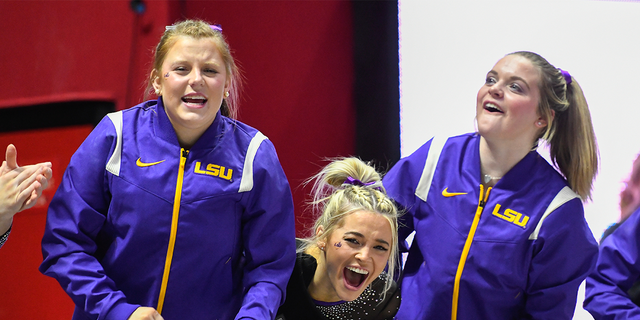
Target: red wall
{"x":298,"y":70}
{"x":26,"y":292}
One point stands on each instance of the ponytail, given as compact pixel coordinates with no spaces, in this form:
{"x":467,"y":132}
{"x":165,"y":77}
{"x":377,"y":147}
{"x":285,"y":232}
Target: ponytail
{"x":572,"y":142}
{"x":573,"y":146}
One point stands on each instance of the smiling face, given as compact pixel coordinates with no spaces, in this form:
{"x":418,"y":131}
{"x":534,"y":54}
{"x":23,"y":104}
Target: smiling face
{"x":192,"y":82}
{"x":354,"y":255}
{"x":507,"y":104}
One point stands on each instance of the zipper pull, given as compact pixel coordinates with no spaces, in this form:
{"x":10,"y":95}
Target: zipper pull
{"x":483,"y":201}
{"x":483,"y":196}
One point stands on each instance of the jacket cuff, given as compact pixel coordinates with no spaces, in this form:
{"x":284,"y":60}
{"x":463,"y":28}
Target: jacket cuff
{"x":120,"y":311}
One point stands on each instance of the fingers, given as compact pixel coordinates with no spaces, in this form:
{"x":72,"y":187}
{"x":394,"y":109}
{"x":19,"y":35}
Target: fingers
{"x":30,"y":189}
{"x":29,"y":196}
{"x":27,"y":176}
{"x":46,"y":176}
{"x":48,"y":172}
{"x":43,"y":164}
{"x":11,"y":157}
{"x":4,"y":168}
{"x":40,"y":184}
{"x":145,"y":313}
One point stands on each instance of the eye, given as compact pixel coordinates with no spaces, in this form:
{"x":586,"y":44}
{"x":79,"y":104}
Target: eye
{"x":490,"y":80}
{"x":352,"y":240}
{"x":515,"y":87}
{"x":381,"y":248}
{"x":210,"y":70}
{"x":180,"y":69}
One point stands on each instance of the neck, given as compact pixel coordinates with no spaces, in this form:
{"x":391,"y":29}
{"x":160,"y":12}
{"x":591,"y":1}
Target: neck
{"x":496,"y":159}
{"x":320,"y":287}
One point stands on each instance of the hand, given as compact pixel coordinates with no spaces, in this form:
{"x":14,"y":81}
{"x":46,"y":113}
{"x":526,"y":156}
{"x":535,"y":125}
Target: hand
{"x":145,"y":313}
{"x":20,"y":187}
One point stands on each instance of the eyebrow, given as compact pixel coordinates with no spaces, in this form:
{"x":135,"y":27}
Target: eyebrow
{"x":513,"y":78}
{"x":358,"y":234}
{"x":206,"y":63}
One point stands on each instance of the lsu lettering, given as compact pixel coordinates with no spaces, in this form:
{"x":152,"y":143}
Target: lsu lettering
{"x":214,"y":170}
{"x":514,"y":217}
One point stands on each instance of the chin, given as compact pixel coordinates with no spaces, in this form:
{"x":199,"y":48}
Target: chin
{"x":482,"y":129}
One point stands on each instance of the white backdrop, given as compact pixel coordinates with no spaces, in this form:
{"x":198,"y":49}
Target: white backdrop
{"x":447,"y":47}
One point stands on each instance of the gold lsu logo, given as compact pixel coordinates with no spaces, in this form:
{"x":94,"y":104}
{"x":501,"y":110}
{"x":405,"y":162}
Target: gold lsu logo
{"x":514,"y":217}
{"x":214,"y":170}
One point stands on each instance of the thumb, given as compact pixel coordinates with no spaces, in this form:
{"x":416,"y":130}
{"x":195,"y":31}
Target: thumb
{"x":11,"y":157}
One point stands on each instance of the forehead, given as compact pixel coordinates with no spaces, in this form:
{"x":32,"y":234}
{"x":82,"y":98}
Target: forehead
{"x":189,"y":48}
{"x":367,"y":223}
{"x":518,"y":66}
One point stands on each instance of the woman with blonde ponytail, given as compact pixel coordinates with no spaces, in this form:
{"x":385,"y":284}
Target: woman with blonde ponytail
{"x":499,"y":232}
{"x":339,"y":272}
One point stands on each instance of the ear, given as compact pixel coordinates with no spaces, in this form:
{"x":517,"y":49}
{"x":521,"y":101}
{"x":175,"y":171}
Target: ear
{"x":155,"y":80}
{"x":319,"y":232}
{"x":542,"y":122}
{"x":227,"y":85}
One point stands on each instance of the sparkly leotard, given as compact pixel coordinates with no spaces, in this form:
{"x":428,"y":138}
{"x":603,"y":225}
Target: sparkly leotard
{"x":369,"y":306}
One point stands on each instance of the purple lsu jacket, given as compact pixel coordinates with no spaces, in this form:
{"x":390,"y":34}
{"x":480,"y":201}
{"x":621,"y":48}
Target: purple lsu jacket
{"x":518,"y":250}
{"x":205,"y":233}
{"x":617,"y":270}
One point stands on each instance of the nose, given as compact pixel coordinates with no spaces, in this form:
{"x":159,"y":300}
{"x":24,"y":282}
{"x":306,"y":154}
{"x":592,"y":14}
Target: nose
{"x":495,"y":91}
{"x":363,"y":254}
{"x":196,"y":78}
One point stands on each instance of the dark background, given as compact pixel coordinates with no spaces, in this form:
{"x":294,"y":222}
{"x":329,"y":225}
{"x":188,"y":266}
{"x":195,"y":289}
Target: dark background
{"x":320,"y":80}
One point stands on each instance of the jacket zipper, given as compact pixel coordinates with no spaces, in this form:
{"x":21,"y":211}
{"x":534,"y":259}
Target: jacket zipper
{"x":465,"y":251}
{"x":174,"y":229}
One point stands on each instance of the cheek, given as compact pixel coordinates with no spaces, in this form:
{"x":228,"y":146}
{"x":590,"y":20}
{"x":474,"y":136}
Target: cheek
{"x":482,"y":93}
{"x":337,"y":255}
{"x":526,"y":109}
{"x":173,"y":80}
{"x":381,"y":262}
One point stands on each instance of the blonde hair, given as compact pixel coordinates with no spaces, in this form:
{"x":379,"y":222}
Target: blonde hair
{"x":335,"y":200}
{"x":199,"y":29}
{"x":572,"y":141}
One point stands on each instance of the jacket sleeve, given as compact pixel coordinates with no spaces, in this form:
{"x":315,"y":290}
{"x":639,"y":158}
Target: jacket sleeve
{"x":401,"y":183}
{"x":618,"y":267}
{"x":564,"y":253}
{"x":75,"y":217}
{"x":268,"y":234}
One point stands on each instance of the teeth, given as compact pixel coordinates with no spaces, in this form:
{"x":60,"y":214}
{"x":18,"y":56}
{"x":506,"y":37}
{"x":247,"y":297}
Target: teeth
{"x":492,"y":106}
{"x":195,"y":98}
{"x":358,"y":270}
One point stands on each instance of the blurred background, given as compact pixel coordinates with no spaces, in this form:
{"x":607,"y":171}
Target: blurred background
{"x":321,"y":79}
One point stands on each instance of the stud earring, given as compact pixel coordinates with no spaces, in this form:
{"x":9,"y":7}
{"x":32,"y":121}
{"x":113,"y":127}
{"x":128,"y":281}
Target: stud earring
{"x":540,"y":123}
{"x":157,"y":92}
{"x":226,"y":94}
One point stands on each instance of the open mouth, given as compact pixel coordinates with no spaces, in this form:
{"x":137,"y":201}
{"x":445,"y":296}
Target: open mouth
{"x":492,"y":107}
{"x":194,"y":99}
{"x":355,"y":277}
